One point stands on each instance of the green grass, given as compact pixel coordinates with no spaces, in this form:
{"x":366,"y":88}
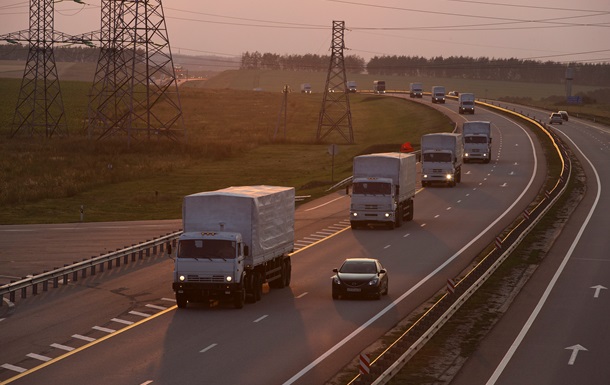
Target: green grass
{"x":231,"y":141}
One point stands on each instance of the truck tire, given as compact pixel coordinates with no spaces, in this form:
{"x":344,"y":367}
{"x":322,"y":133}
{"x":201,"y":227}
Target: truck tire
{"x":288,"y":276}
{"x":239,"y":298}
{"x":257,"y":289}
{"x":411,"y":208}
{"x":398,"y":216}
{"x":181,"y":300}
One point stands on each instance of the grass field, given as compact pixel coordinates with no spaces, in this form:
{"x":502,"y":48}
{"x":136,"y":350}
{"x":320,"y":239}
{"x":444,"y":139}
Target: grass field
{"x":233,"y":139}
{"x":230,"y":142}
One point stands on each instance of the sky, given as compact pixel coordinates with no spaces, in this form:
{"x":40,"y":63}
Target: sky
{"x":557,"y":30}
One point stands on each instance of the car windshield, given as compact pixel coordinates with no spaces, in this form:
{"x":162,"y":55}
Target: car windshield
{"x":206,"y":248}
{"x":359,"y":267}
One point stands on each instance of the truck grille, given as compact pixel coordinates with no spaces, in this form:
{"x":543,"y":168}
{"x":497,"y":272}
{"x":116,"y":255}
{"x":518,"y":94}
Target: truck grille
{"x":205,"y":279}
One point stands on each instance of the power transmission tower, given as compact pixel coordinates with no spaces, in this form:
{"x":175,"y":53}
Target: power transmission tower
{"x":335,"y":114}
{"x":135,"y":90}
{"x":40,"y":109}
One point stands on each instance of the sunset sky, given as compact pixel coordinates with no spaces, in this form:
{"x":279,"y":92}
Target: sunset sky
{"x":558,"y":30}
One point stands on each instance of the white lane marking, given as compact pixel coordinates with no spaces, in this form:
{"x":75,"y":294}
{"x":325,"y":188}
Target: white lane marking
{"x":261,"y":318}
{"x":14,"y":368}
{"x":394,"y":303}
{"x":208,"y":348}
{"x":139,"y":313}
{"x":103,"y":329}
{"x":597,"y":288}
{"x":575,"y":349}
{"x":38,"y":357}
{"x":386,"y":246}
{"x":122,"y":321}
{"x":436,"y":216}
{"x":448,"y":208}
{"x":302,"y":295}
{"x":327,"y":203}
{"x":422,"y":225}
{"x":169,"y":299}
{"x":62,"y":347}
{"x":511,"y":351}
{"x":84,"y":338}
{"x":406,"y":235}
{"x":156,"y":307}
{"x":147,"y":382}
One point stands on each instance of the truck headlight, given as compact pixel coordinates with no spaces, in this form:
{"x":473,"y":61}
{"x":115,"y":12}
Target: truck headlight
{"x":425,"y":176}
{"x":387,"y":215}
{"x":466,"y":155}
{"x":449,"y":176}
{"x":354,"y":214}
{"x":228,"y":278}
{"x":182,"y":278}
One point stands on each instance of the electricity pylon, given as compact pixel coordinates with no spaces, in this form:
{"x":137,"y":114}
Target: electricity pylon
{"x":40,"y":109}
{"x":135,"y":91}
{"x":335,"y":114}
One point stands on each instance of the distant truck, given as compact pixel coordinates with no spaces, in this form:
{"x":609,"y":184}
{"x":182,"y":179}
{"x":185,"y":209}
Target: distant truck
{"x":306,"y":88}
{"x":379,"y":86}
{"x":416,"y":90}
{"x":383,"y":188}
{"x":477,"y":141}
{"x":466,"y":103}
{"x":351,"y":86}
{"x":233,"y":241}
{"x":438,"y":94}
{"x":441,"y":158}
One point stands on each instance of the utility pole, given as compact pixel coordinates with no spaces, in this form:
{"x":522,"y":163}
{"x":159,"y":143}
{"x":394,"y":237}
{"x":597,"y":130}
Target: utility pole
{"x":335,"y":114}
{"x":135,"y":91}
{"x":40,"y":109}
{"x":283,"y":112}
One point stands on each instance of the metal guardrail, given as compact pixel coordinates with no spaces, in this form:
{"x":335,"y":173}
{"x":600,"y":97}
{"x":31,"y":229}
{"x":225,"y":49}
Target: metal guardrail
{"x":53,"y":277}
{"x":392,"y":359}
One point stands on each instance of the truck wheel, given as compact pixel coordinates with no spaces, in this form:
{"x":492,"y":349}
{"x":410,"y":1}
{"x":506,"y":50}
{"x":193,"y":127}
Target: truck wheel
{"x":181,"y":300}
{"x":411,"y":208}
{"x":239,"y":299}
{"x":398,"y":216}
{"x":288,"y":276}
{"x":257,"y":290}
{"x":354,"y":225}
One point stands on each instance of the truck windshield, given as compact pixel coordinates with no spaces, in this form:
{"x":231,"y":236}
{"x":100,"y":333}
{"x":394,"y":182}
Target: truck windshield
{"x":372,"y":188}
{"x":475,"y":139}
{"x":206,"y":248}
{"x":437,"y":157}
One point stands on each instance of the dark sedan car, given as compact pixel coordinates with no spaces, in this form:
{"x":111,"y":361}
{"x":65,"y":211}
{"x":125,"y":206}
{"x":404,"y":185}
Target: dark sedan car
{"x":360,"y":277}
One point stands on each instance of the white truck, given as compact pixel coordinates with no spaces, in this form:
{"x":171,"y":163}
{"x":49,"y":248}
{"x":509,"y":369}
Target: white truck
{"x":477,"y":141}
{"x":379,"y":86}
{"x":466,"y":103}
{"x":233,"y":241}
{"x":438,"y":94}
{"x":383,"y":188}
{"x":416,"y":90}
{"x":351,"y":86}
{"x":306,"y":88}
{"x":441,"y":158}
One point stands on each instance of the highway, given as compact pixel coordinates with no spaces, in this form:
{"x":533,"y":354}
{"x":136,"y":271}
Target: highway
{"x":555,"y":332}
{"x":122,"y":326}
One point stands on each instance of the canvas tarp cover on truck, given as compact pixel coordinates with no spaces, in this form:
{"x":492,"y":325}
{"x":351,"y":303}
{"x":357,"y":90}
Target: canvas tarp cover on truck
{"x":263,"y":215}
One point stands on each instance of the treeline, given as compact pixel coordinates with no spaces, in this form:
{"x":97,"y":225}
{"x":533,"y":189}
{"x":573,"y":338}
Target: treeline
{"x":307,"y":62}
{"x":490,"y":69}
{"x":61,"y":54}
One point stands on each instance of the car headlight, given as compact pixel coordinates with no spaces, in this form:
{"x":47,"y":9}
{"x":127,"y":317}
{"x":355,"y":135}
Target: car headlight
{"x":373,"y":281}
{"x":336,"y":280}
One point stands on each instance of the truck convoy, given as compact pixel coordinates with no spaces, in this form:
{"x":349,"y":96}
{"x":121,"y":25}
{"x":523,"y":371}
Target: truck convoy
{"x":351,"y":86}
{"x":306,"y":88}
{"x":383,"y":188}
{"x":441,"y":158}
{"x":379,"y":86}
{"x":466,"y":103}
{"x":477,"y":141}
{"x":233,"y":241}
{"x":416,"y":90}
{"x":438,"y":94}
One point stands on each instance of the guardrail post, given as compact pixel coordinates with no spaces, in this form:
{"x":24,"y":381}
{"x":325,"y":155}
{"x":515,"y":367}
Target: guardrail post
{"x":154,"y":250}
{"x":109,"y":264}
{"x":11,"y":295}
{"x":35,"y":289}
{"x":74,"y":274}
{"x":148,"y":249}
{"x":133,"y":255}
{"x":93,"y":268}
{"x":125,"y":257}
{"x":45,"y":283}
{"x":65,"y":277}
{"x":141,"y":254}
{"x":55,"y":279}
{"x":24,"y":290}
